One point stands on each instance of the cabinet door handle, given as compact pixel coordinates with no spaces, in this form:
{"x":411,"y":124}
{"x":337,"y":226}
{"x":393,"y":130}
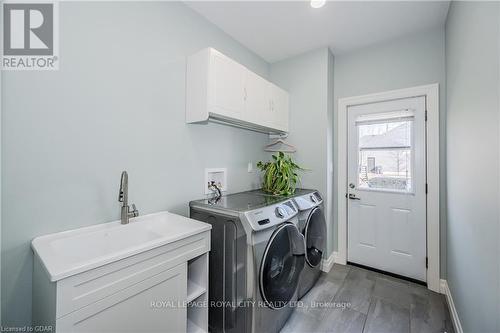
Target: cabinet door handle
{"x":244,"y":94}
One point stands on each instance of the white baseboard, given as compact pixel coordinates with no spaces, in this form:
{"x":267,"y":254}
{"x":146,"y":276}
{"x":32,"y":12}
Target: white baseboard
{"x":326,"y":264}
{"x":453,"y":311}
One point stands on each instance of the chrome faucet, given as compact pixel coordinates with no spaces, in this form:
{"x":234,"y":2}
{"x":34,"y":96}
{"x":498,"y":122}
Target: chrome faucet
{"x":126,"y":212}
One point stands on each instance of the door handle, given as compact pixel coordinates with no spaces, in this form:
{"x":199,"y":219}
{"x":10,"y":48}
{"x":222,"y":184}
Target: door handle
{"x":353,"y":197}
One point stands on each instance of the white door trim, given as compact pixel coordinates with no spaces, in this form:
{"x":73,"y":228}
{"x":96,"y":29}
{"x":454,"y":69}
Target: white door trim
{"x":431,"y":92}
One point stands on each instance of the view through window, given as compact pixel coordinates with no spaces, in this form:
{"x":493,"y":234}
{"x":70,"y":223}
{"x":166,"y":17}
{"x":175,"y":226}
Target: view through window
{"x":385,"y":154}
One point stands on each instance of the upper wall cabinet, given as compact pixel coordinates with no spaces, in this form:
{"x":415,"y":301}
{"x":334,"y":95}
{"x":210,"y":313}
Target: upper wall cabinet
{"x":222,"y":90}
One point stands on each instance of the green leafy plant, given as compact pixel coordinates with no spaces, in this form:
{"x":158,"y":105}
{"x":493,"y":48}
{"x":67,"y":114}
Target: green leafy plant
{"x":280,"y":175}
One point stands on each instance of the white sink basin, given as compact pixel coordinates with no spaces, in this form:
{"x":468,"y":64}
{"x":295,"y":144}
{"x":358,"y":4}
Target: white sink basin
{"x":71,"y":252}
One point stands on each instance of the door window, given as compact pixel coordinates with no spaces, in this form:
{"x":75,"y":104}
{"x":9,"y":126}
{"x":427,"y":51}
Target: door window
{"x":385,"y":150}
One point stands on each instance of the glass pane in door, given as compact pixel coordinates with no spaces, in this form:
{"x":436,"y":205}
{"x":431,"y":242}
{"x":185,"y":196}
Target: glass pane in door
{"x":385,"y":159}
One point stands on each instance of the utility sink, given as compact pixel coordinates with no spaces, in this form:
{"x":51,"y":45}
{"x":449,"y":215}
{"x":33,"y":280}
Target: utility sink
{"x":71,"y":252}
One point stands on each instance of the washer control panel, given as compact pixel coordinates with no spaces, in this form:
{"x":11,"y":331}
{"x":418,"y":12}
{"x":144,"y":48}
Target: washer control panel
{"x":280,"y":212}
{"x":269,"y":216}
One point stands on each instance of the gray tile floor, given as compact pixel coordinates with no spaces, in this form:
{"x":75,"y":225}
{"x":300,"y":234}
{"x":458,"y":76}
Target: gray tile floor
{"x":349,"y":299}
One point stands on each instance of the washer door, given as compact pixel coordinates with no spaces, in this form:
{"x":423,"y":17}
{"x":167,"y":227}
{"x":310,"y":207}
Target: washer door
{"x":314,"y":234}
{"x":281,"y":266}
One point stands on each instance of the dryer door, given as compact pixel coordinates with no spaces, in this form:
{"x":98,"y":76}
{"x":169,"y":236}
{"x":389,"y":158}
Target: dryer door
{"x":315,"y":233}
{"x":281,"y":266}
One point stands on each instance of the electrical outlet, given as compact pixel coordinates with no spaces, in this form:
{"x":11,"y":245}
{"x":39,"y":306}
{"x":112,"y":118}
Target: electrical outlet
{"x":217,"y":175}
{"x":250,"y":167}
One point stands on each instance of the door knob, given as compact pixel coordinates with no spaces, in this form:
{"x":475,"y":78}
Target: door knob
{"x":353,"y":197}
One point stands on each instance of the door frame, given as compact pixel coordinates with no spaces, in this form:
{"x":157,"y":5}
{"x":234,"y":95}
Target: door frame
{"x":431,"y":94}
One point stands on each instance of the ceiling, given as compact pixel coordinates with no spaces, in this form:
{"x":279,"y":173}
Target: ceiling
{"x":276,"y":30}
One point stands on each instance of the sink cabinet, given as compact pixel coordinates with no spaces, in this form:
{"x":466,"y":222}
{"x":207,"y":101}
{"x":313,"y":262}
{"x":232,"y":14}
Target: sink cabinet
{"x":152,"y":291}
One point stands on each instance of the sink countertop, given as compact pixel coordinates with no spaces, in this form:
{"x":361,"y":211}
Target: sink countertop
{"x":67,"y":253}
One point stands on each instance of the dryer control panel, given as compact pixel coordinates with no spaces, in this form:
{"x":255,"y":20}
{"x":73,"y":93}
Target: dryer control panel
{"x":269,"y":216}
{"x":308,"y":201}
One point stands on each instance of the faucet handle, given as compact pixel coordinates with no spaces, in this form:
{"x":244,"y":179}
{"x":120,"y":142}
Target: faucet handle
{"x":134,"y":212}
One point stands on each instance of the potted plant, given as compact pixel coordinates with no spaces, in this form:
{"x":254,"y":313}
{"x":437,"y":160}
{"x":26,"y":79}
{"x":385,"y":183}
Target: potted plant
{"x":280,"y":175}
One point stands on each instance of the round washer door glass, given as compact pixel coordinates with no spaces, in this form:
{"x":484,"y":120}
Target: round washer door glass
{"x":281,"y":266}
{"x":315,"y":233}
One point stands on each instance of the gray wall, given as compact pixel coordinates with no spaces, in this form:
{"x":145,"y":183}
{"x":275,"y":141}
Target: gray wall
{"x":116,"y":103}
{"x":305,"y":77}
{"x":1,"y":112}
{"x":406,"y":62}
{"x":472,"y":59}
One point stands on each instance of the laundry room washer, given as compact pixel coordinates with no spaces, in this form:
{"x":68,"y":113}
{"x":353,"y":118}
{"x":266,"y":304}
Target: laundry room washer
{"x":256,"y":259}
{"x":312,"y":225}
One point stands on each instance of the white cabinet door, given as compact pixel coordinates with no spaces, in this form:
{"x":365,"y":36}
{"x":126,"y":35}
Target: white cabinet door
{"x":227,"y":86}
{"x":153,"y":305}
{"x":258,"y":99}
{"x":279,"y":108}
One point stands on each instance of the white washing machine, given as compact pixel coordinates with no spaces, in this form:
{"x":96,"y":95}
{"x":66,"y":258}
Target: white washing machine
{"x":312,"y":225}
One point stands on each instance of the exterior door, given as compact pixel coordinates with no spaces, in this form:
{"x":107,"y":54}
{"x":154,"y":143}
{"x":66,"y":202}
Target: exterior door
{"x":386,"y":186}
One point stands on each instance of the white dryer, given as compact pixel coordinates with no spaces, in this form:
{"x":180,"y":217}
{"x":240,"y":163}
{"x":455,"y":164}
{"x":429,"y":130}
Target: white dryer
{"x":312,"y":225}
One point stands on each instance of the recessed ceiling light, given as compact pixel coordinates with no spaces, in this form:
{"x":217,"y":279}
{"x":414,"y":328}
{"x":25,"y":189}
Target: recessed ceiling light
{"x":317,"y":3}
